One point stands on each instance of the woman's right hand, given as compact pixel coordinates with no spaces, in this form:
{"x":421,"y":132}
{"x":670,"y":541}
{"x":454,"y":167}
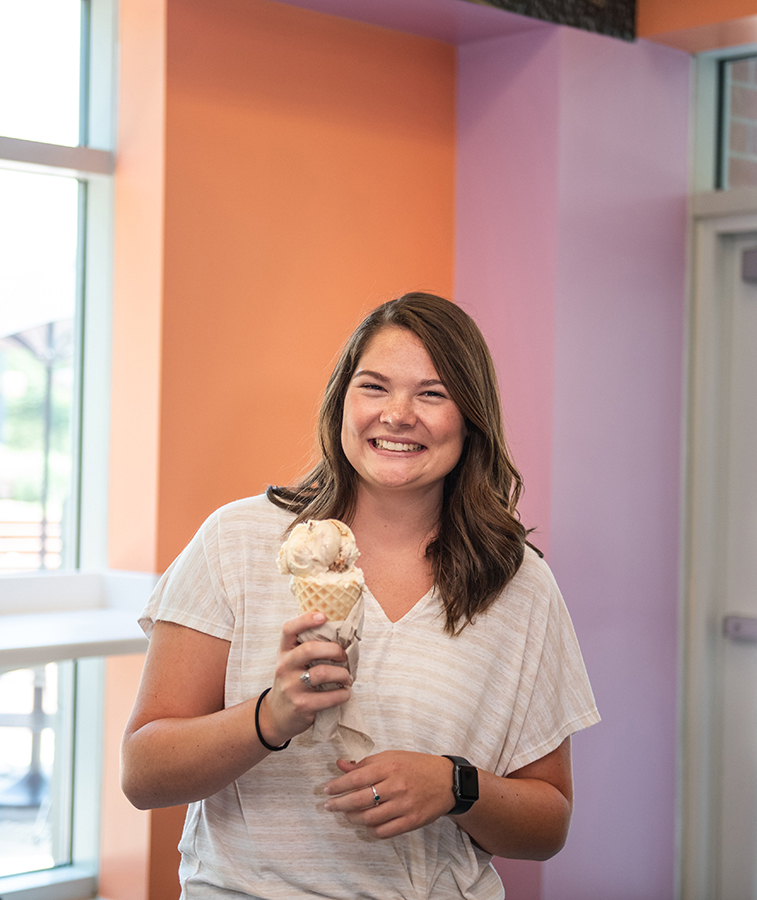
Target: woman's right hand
{"x":182,"y":743}
{"x":292,"y":703}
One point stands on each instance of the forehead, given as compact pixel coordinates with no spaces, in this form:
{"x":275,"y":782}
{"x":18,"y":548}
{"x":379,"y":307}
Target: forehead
{"x":393,"y":346}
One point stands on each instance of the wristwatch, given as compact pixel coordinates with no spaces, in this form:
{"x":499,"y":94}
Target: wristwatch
{"x":464,"y":785}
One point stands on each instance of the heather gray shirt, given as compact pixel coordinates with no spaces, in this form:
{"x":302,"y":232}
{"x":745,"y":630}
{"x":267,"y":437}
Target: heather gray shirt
{"x":504,"y":693}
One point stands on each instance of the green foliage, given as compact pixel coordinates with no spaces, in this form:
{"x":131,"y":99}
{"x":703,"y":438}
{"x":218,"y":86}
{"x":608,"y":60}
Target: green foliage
{"x":22,"y":427}
{"x":24,"y":422}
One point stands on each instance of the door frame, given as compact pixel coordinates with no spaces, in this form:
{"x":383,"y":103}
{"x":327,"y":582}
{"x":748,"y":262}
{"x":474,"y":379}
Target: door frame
{"x":715,"y":218}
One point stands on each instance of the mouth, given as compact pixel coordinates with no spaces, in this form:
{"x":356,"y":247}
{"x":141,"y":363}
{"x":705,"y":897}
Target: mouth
{"x":396,"y":446}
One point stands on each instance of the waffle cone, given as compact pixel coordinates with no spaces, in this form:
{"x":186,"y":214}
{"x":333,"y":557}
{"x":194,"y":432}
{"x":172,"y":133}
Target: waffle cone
{"x":334,"y":600}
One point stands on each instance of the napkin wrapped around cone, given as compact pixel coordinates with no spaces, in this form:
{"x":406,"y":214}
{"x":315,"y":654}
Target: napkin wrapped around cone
{"x":320,"y":555}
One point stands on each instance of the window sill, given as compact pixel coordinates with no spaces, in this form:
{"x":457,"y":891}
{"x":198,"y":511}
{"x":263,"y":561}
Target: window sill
{"x":46,"y":617}
{"x":61,"y":883}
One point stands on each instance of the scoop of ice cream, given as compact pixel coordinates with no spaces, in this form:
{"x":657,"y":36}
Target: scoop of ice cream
{"x":316,"y":547}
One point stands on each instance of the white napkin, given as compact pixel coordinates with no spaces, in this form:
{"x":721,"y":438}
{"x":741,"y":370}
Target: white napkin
{"x":343,"y":724}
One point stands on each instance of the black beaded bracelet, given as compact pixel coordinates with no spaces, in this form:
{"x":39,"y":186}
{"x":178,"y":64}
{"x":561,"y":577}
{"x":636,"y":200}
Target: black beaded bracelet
{"x":262,"y":740}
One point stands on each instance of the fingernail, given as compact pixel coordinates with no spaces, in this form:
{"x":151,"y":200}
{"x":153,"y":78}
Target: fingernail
{"x":327,"y":807}
{"x":319,"y":618}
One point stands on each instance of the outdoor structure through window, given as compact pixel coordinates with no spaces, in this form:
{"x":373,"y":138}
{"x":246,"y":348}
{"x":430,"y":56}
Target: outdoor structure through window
{"x":737,"y":156}
{"x":38,"y":370}
{"x":36,"y":707}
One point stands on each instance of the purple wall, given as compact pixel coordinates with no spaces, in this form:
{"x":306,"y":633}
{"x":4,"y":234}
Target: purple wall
{"x":616,"y":455}
{"x":572,"y":184}
{"x":505,"y":265}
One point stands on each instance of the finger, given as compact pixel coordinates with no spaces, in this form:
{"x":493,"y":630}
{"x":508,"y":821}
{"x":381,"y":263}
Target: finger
{"x":387,"y":819}
{"x":384,"y":827}
{"x":304,"y":656}
{"x":348,"y":765}
{"x":356,"y":780}
{"x":361,"y":800}
{"x":317,"y":701}
{"x":314,"y":651}
{"x":316,"y":676}
{"x":296,"y":626}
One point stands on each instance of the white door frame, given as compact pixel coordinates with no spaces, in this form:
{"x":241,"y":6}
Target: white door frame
{"x":716,"y":216}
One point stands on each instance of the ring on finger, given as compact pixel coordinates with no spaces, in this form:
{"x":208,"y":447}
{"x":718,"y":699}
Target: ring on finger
{"x":376,"y":797}
{"x":305,"y":679}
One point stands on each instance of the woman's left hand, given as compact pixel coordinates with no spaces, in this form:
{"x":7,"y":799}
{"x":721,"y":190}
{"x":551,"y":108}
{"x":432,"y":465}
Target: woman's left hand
{"x":413,"y":790}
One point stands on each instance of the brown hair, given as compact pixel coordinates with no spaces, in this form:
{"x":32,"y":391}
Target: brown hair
{"x":480,"y":541}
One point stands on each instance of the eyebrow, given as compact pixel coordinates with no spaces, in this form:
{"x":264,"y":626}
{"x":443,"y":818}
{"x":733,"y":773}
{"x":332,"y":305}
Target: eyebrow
{"x":369,"y":373}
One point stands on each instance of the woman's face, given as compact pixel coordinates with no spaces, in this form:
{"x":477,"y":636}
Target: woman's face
{"x":401,"y":429}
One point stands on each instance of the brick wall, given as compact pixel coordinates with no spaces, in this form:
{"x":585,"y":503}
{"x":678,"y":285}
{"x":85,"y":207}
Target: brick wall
{"x":741,"y":156}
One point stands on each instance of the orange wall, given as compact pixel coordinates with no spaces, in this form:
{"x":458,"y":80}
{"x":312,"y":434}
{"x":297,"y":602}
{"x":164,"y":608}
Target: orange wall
{"x":697,"y":25}
{"x":125,"y":836}
{"x":653,"y":16}
{"x":135,"y":401}
{"x":138,"y":287}
{"x":309,"y":176}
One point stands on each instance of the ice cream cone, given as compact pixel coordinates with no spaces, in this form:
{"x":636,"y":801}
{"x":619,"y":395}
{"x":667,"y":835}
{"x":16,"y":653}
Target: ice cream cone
{"x":334,"y":600}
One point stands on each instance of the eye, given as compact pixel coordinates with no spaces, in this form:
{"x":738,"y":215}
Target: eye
{"x":371,"y":386}
{"x":434,"y":394}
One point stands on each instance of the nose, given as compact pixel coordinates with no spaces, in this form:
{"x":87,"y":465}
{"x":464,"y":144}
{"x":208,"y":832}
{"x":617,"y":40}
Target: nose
{"x":398,"y":412}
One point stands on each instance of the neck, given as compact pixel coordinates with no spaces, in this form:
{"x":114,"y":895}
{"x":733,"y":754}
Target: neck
{"x":395,"y":517}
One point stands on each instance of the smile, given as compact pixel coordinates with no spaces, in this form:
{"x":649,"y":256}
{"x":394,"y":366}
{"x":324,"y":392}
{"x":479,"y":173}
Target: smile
{"x":392,"y":445}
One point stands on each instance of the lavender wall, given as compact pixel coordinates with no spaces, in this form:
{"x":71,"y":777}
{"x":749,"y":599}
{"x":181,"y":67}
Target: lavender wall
{"x":572,"y":183}
{"x":616,"y":454}
{"x":505,"y":265}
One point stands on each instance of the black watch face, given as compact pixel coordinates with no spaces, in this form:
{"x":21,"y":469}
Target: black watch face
{"x":468,"y":783}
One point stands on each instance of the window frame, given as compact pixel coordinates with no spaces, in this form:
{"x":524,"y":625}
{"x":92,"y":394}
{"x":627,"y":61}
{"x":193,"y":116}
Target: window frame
{"x":105,"y":603}
{"x":708,"y":121}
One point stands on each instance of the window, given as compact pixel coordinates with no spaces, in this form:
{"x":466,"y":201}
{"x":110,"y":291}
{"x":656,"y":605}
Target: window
{"x":36,"y":708}
{"x":56,"y":162}
{"x":737,"y":157}
{"x":40,"y":72}
{"x":38,"y":443}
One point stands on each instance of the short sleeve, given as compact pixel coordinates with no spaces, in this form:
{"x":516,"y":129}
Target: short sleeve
{"x":191,"y":591}
{"x":556,"y":696}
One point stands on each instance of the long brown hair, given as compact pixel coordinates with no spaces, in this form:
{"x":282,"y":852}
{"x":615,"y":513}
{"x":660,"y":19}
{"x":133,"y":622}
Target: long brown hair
{"x":480,"y":540}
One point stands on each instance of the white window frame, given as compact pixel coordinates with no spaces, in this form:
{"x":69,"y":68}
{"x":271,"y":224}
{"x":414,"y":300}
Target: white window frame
{"x":705,"y":114}
{"x":89,"y":613}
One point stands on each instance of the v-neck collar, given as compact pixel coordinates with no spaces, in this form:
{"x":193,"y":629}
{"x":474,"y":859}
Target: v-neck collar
{"x":414,"y":610}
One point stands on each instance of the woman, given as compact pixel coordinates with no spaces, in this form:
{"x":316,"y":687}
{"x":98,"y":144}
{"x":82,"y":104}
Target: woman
{"x":469,"y":667}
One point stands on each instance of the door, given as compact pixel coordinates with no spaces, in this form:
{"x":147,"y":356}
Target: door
{"x":719,"y":803}
{"x":738,"y":775}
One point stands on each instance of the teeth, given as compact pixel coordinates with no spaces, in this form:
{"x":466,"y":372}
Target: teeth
{"x":391,"y":445}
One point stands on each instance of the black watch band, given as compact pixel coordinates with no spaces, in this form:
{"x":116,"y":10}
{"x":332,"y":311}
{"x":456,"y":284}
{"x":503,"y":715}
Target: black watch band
{"x":464,"y":785}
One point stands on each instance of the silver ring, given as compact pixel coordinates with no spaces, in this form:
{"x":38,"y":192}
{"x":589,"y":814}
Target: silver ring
{"x":376,"y":798}
{"x":305,"y":679}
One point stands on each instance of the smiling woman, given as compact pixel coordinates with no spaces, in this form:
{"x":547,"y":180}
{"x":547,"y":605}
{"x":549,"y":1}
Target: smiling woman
{"x":401,"y":428}
{"x":476,"y":541}
{"x":467,"y":648}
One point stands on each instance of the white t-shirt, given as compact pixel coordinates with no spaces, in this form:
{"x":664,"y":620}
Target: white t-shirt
{"x":505,"y":692}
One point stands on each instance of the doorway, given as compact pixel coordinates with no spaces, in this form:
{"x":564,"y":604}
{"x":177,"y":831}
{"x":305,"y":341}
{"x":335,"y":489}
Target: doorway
{"x":718,"y":789}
